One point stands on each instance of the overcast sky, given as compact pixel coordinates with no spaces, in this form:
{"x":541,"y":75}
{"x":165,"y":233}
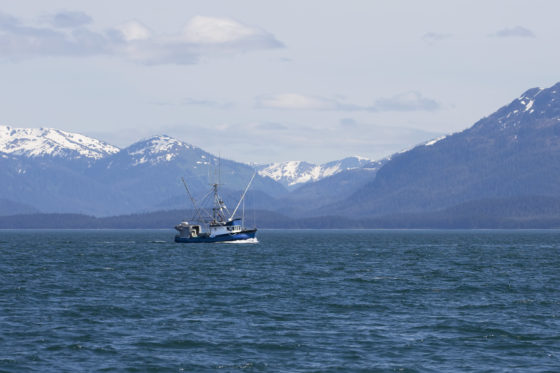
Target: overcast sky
{"x":262,"y":81}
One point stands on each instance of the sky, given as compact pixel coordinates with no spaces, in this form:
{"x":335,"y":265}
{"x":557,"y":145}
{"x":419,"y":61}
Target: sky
{"x":270,"y":81}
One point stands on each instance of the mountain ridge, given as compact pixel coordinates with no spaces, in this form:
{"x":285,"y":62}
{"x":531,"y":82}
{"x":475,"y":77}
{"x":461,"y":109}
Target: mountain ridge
{"x":513,"y":151}
{"x":293,"y":174}
{"x":56,"y":175}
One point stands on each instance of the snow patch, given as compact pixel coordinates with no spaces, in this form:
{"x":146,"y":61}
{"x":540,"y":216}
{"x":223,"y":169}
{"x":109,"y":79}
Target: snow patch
{"x":156,"y":149}
{"x":39,"y":142}
{"x":432,"y":142}
{"x":292,"y":173}
{"x":158,"y":145}
{"x":140,"y":161}
{"x":360,"y":158}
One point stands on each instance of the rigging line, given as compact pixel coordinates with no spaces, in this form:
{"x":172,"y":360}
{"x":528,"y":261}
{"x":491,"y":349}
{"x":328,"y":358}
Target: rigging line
{"x":189,"y":193}
{"x":198,"y":210}
{"x":203,"y":201}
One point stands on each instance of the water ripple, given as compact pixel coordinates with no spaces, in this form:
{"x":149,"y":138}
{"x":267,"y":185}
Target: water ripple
{"x":298,"y":301}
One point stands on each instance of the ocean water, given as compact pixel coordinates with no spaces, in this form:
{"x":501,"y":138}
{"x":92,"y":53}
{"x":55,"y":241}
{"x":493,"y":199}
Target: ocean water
{"x":298,"y":301}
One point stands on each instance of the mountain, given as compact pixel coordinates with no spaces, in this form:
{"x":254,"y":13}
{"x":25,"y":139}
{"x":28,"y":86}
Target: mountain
{"x":513,"y":152}
{"x":58,"y":171}
{"x":505,"y":167}
{"x":54,"y":184}
{"x":148,"y":173}
{"x":50,"y":142}
{"x":310,"y":196}
{"x":44,"y":168}
{"x":293,"y":174}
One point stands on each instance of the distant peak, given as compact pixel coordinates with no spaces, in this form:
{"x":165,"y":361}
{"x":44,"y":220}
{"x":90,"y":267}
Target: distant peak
{"x":544,"y":93}
{"x":293,"y":173}
{"x":160,"y":137}
{"x":533,"y":105}
{"x":156,"y":149}
{"x":531,"y":93}
{"x":39,"y":142}
{"x":158,"y":144}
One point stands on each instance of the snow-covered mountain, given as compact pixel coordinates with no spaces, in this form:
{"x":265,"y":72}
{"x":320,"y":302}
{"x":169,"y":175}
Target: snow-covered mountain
{"x":50,"y":142}
{"x":161,"y":149}
{"x":512,"y":153}
{"x":292,"y":174}
{"x":57,"y":171}
{"x":155,"y":150}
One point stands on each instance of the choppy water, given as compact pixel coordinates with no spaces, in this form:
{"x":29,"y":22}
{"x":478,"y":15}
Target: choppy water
{"x":299,"y":301}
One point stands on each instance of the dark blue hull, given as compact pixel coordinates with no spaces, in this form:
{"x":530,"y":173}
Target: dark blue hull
{"x":244,"y":235}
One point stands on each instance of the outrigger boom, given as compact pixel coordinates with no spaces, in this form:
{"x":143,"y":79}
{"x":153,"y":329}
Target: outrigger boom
{"x":242,"y":196}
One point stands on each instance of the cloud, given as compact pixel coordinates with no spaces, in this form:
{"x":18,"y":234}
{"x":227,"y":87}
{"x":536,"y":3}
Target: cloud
{"x":67,"y":35}
{"x":7,"y":21}
{"x":348,"y":123}
{"x":514,"y":32}
{"x":208,"y":30}
{"x":295,"y":101}
{"x":271,"y":126}
{"x":391,"y":136}
{"x":250,"y":127}
{"x":195,"y":102}
{"x":207,"y":103}
{"x":433,"y":37}
{"x":131,"y":31}
{"x":68,"y":19}
{"x":18,"y":41}
{"x":408,"y":101}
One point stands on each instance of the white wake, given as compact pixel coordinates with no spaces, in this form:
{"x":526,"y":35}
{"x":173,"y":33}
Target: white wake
{"x":247,"y":241}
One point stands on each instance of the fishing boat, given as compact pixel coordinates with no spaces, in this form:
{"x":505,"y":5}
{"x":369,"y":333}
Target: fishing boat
{"x":217,"y":226}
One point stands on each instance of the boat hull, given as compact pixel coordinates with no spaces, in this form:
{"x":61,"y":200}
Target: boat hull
{"x":239,"y":236}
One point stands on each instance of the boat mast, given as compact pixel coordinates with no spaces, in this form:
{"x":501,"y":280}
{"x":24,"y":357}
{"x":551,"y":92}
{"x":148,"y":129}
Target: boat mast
{"x":219,"y":211}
